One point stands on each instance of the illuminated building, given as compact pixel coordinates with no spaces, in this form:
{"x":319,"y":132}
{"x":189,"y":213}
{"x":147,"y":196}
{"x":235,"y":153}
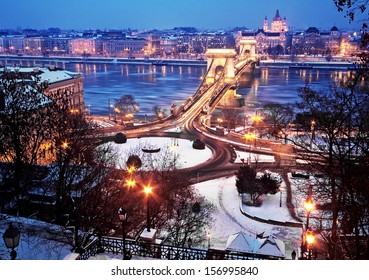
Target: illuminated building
{"x":268,"y":39}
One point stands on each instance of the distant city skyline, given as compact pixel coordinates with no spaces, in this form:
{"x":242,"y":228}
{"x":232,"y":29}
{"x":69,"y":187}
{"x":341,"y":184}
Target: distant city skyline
{"x":167,"y":14}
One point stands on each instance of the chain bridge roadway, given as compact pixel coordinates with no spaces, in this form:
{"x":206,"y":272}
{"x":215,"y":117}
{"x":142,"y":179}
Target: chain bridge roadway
{"x":189,"y":118}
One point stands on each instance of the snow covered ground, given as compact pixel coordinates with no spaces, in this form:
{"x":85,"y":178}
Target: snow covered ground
{"x":176,"y":149}
{"x":254,"y":157}
{"x":229,"y":219}
{"x":38,"y":240}
{"x":221,"y":192}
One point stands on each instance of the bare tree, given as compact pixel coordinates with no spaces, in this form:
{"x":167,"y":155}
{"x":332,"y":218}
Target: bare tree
{"x":25,"y":114}
{"x":352,"y":8}
{"x":159,"y":112}
{"x":230,"y":117}
{"x":278,"y":116}
{"x":127,"y":104}
{"x":334,"y":146}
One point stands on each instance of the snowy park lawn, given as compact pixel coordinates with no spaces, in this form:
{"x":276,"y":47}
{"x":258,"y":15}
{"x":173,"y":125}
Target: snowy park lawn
{"x":228,"y":218}
{"x":254,"y":157}
{"x":175,"y":150}
{"x":270,"y":209}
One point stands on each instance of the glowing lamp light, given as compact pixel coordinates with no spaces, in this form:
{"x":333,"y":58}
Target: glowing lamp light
{"x":309,"y":206}
{"x":131,"y":183}
{"x":256,"y":118}
{"x":65,"y":145}
{"x":250,"y":136}
{"x":131,"y":169}
{"x":148,"y":190}
{"x":310,"y":238}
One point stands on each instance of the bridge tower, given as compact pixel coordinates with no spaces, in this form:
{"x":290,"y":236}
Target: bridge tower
{"x":247,"y":49}
{"x":220,"y":58}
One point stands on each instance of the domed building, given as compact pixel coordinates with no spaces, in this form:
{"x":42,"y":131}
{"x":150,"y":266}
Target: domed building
{"x":277,"y":25}
{"x":269,"y":39}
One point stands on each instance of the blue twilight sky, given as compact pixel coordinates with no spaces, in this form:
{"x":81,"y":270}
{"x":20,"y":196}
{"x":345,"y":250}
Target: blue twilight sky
{"x":162,"y":14}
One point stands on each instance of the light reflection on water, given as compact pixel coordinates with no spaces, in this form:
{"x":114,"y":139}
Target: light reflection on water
{"x":163,"y":85}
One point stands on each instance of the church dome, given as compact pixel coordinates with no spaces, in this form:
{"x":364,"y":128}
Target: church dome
{"x":277,"y":17}
{"x":334,"y":29}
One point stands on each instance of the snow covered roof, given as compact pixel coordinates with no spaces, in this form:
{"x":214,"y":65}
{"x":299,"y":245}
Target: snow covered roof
{"x":49,"y":74}
{"x":36,"y":100}
{"x":241,"y":242}
{"x":272,"y":247}
{"x":269,"y":246}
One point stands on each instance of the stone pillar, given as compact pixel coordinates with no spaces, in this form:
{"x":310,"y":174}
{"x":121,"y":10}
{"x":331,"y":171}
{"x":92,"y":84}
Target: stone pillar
{"x":248,"y":45}
{"x":220,"y":57}
{"x":229,"y":71}
{"x":210,"y":77}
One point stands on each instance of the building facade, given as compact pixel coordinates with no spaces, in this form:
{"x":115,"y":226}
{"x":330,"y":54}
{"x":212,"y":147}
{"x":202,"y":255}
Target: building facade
{"x":123,"y":47}
{"x":271,"y":39}
{"x":85,"y":46}
{"x":61,"y":84}
{"x":315,"y":42}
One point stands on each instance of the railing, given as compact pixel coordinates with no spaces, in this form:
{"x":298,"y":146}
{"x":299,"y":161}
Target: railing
{"x":159,"y":251}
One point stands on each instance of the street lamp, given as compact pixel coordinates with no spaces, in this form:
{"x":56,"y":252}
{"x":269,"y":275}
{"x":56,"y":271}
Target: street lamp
{"x":256,"y":119}
{"x":123,"y":217}
{"x":209,"y":238}
{"x":11,"y":239}
{"x":309,"y":206}
{"x":312,"y":129}
{"x":249,"y":137}
{"x":116,"y":110}
{"x":280,"y":196}
{"x":148,"y":191}
{"x":189,"y":242}
{"x":310,"y":239}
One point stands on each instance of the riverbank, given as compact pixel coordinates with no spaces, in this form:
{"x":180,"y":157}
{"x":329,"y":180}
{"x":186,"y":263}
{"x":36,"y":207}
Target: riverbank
{"x":338,"y":65}
{"x":107,"y":60}
{"x":306,"y":63}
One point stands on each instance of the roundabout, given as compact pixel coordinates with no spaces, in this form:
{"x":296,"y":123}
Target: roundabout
{"x":163,"y":153}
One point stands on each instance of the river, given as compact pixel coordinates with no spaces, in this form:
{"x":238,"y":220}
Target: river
{"x":163,"y":85}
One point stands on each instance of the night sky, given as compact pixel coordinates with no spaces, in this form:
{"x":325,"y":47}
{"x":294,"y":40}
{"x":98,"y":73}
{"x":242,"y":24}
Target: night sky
{"x":162,"y":14}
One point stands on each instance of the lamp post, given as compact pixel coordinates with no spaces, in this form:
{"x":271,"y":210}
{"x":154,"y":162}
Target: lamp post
{"x":116,"y":111}
{"x":131,"y":182}
{"x":148,"y":191}
{"x":309,"y":206}
{"x":249,"y":137}
{"x":280,"y":196}
{"x":307,"y":239}
{"x":189,"y":242}
{"x":312,"y":129}
{"x":310,"y":239}
{"x":11,"y":239}
{"x":209,"y":238}
{"x":123,"y":217}
{"x":256,"y":119}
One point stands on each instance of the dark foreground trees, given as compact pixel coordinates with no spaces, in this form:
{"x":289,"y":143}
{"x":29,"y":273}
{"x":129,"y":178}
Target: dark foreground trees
{"x":26,"y":116}
{"x":336,"y":147}
{"x":48,"y":153}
